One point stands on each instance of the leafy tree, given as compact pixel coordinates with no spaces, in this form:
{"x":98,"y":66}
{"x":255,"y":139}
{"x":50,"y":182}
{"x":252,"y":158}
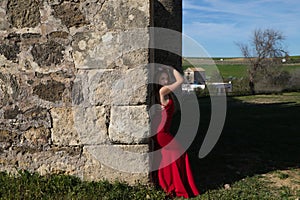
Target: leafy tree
{"x":263,"y":53}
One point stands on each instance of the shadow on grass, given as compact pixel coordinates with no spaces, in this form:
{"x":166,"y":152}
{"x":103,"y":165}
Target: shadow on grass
{"x":256,"y":138}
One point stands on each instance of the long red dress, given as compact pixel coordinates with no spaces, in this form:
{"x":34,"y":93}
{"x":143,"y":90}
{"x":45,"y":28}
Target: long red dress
{"x":174,"y":175}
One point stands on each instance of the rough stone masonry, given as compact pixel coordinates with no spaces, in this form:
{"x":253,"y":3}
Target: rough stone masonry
{"x":73,"y":78}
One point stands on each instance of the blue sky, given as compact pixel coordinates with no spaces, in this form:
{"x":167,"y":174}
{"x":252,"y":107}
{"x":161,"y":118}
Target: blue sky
{"x":217,"y":25}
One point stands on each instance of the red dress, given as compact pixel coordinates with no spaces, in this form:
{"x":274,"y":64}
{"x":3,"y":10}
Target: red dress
{"x":174,"y":175}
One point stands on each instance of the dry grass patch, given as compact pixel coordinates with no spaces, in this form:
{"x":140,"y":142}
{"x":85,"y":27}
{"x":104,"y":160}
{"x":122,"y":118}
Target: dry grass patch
{"x":287,"y":180}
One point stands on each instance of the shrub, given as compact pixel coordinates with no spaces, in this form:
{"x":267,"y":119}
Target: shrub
{"x":240,"y":86}
{"x":294,"y":81}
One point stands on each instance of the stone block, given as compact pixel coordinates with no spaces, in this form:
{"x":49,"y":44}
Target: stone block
{"x":131,"y":88}
{"x":129,"y":124}
{"x":91,"y":124}
{"x":110,"y":87}
{"x":63,"y":130}
{"x":95,"y":50}
{"x":93,"y":87}
{"x":24,"y":13}
{"x":10,"y":46}
{"x":112,"y":49}
{"x":69,"y":13}
{"x":125,"y":14}
{"x":114,"y":162}
{"x":51,"y":91}
{"x":47,"y":54}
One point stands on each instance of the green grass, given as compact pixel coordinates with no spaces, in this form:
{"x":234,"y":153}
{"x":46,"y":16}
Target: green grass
{"x":237,"y":71}
{"x":247,"y":188}
{"x":32,"y":186}
{"x":291,"y":68}
{"x":284,"y":98}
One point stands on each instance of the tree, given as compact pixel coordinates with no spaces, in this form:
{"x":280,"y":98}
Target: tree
{"x":263,"y":53}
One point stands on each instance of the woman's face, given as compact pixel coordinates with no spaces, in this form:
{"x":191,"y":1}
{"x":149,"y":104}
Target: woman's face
{"x":163,"y":79}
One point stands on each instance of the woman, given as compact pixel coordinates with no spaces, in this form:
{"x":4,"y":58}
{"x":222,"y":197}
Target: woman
{"x":174,"y":175}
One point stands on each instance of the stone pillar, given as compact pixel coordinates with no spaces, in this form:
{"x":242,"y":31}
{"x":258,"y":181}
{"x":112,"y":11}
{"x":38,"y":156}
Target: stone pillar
{"x":73,"y":85}
{"x":168,"y":14}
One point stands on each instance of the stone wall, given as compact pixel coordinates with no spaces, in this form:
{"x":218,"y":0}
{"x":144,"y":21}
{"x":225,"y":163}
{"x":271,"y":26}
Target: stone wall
{"x":73,"y":81}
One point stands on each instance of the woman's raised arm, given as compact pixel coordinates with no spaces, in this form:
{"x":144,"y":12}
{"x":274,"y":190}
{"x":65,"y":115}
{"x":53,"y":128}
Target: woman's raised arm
{"x":165,"y":90}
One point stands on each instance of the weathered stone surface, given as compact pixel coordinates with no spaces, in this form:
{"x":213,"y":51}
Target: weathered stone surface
{"x":31,"y":35}
{"x":47,"y":54}
{"x":11,"y":113}
{"x":4,"y":96}
{"x":4,"y":25}
{"x":7,"y":138}
{"x":25,"y":118}
{"x":63,"y":131}
{"x":29,"y":39}
{"x":132,"y":126}
{"x":51,"y":91}
{"x":38,"y":136}
{"x":136,"y":58}
{"x":131,"y":88}
{"x":10,"y":46}
{"x":91,"y":124}
{"x":9,"y":88}
{"x":50,"y":23}
{"x":125,"y":14}
{"x":77,"y":93}
{"x":98,"y":50}
{"x":91,"y":9}
{"x":72,"y":161}
{"x":23,"y":13}
{"x":106,"y":87}
{"x":95,"y":50}
{"x":111,"y":173}
{"x":34,"y":117}
{"x":70,"y":14}
{"x":95,"y":86}
{"x":54,"y":160}
{"x":61,"y":37}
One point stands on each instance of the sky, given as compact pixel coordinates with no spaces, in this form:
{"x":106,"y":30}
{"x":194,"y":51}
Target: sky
{"x":217,"y":25}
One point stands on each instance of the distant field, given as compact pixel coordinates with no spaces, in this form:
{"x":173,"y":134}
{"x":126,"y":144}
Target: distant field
{"x":237,"y":71}
{"x":291,"y":68}
{"x":234,"y":69}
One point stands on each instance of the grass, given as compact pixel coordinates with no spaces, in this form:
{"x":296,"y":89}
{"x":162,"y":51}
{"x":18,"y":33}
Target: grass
{"x":256,"y":157}
{"x":247,"y":188}
{"x":284,"y":98}
{"x":237,"y":71}
{"x":32,"y":186}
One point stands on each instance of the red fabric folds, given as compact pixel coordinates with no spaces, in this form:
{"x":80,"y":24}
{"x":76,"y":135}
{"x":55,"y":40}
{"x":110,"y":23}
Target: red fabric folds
{"x":174,"y":174}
